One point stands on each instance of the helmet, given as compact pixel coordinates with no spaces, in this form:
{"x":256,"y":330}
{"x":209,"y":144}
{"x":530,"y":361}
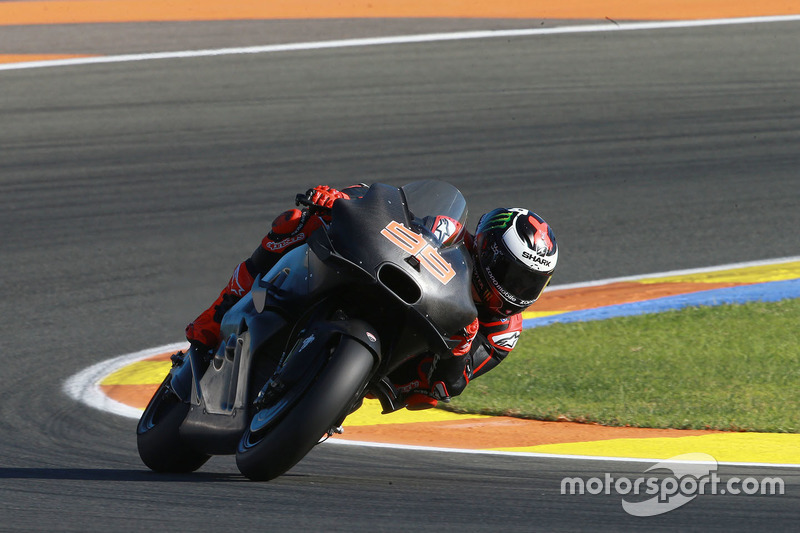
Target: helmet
{"x":515,"y":256}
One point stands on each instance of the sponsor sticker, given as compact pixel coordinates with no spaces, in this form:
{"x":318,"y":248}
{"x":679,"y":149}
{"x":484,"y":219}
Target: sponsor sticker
{"x":414,"y":244}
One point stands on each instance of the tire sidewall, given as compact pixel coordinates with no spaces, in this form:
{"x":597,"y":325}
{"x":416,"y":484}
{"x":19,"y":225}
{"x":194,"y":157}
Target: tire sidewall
{"x":160,"y":445}
{"x":323,"y":404}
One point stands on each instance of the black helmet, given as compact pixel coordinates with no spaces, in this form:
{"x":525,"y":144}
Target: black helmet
{"x":515,"y":256}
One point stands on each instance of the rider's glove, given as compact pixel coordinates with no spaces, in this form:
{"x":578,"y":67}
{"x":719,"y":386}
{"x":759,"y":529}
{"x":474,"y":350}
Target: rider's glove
{"x":465,"y":336}
{"x":324,"y":196}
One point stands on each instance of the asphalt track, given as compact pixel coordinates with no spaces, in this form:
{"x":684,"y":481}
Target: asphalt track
{"x":127,"y":191}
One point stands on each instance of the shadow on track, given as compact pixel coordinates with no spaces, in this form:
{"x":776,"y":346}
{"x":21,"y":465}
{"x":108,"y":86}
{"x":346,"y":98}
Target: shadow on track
{"x":106,"y":474}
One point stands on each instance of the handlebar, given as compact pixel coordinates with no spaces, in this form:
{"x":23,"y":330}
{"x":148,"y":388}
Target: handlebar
{"x":304,"y":199}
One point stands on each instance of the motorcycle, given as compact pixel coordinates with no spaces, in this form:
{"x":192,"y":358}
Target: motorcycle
{"x":384,"y":282}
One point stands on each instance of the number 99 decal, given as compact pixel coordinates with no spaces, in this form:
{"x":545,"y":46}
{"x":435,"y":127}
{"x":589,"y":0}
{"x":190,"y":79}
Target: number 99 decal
{"x":428,"y":256}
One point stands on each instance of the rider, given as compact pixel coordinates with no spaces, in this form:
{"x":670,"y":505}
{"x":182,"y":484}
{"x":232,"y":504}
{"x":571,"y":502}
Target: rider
{"x":514,"y":252}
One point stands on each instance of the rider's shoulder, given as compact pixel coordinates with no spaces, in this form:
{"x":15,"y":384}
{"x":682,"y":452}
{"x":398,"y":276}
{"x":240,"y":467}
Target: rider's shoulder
{"x":501,"y":323}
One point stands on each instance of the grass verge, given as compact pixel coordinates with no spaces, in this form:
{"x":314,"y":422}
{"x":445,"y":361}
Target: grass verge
{"x":734,"y":367}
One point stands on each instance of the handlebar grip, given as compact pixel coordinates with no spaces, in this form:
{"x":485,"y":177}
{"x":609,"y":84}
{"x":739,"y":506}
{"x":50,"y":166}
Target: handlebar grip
{"x":305,"y":200}
{"x":302,"y":199}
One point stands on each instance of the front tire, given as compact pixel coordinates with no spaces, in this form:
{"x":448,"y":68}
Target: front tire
{"x":267,"y":455}
{"x":160,"y":446}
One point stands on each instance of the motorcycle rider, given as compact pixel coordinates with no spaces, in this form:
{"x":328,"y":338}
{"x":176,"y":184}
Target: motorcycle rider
{"x":515,"y":254}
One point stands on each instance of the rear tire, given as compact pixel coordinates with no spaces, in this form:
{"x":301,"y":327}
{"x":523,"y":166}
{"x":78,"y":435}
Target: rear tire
{"x":160,"y":446}
{"x":267,"y":455}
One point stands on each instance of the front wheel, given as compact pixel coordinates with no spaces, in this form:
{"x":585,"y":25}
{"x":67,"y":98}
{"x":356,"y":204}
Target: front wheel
{"x":160,"y":446}
{"x":266,"y":455}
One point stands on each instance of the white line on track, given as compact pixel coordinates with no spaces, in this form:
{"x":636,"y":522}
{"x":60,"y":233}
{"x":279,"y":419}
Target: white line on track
{"x":85,"y":385}
{"x":544,"y":455}
{"x":671,"y":273}
{"x":402,"y":39}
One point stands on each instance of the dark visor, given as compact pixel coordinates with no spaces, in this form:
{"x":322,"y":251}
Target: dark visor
{"x":517,"y":282}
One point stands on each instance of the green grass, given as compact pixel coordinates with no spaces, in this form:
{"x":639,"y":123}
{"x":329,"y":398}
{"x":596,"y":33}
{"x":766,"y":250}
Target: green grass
{"x":731,"y":367}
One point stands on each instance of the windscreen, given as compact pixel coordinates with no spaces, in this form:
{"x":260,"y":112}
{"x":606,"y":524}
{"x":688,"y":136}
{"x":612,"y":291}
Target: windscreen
{"x":432,"y":198}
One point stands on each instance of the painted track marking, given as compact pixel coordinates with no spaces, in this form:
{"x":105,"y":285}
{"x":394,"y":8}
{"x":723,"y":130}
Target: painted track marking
{"x":398,"y":40}
{"x":132,"y":370}
{"x":30,"y":12}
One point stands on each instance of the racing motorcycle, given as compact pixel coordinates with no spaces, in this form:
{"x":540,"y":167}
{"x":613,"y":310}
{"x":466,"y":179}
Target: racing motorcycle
{"x":386,"y":280}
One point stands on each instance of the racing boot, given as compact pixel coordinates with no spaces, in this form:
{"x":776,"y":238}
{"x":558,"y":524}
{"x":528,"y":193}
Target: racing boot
{"x":204,"y":330}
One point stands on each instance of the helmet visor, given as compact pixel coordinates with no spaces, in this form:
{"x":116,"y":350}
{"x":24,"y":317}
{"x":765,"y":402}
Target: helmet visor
{"x":515,"y":283}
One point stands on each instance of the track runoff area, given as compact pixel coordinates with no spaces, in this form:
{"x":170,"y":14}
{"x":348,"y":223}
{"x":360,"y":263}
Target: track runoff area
{"x":123,"y":385}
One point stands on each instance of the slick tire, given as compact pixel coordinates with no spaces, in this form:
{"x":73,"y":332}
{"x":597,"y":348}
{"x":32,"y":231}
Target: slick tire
{"x":160,"y":446}
{"x":264,"y":457}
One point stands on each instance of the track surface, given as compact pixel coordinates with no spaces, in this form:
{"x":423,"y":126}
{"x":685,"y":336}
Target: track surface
{"x":127,"y":192}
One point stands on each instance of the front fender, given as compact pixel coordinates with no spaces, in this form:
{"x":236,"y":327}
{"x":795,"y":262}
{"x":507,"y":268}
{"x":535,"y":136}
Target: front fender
{"x":310,"y":343}
{"x":360,"y":331}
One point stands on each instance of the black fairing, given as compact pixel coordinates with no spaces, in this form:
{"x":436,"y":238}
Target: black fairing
{"x":355,"y":277}
{"x":356,"y":235}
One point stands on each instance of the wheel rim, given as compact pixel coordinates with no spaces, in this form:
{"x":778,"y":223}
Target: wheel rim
{"x":266,"y":418}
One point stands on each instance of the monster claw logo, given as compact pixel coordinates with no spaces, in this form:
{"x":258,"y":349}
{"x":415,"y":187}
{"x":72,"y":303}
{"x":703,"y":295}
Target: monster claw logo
{"x":499,"y":220}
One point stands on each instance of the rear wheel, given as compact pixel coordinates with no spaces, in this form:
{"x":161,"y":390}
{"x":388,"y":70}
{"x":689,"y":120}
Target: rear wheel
{"x":266,"y":454}
{"x":160,"y":446}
